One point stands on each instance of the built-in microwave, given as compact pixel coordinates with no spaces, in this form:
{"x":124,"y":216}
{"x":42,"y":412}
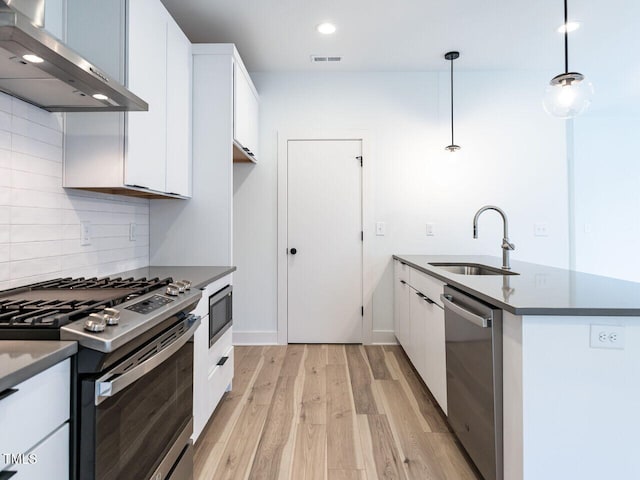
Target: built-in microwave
{"x":220,"y":313}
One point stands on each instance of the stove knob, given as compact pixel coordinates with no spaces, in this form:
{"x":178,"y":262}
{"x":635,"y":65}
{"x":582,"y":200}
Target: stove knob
{"x":172,"y":290}
{"x":111,"y":316}
{"x":95,"y":323}
{"x":181,"y":286}
{"x":187,"y":284}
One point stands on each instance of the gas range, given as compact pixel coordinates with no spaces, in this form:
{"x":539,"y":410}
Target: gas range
{"x":99,"y":313}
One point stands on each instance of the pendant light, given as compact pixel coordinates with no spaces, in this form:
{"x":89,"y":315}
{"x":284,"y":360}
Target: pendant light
{"x":451,"y":56}
{"x":568,"y":94}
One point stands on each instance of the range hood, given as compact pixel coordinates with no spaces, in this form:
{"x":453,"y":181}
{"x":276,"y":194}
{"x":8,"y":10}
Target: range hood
{"x":38,"y":68}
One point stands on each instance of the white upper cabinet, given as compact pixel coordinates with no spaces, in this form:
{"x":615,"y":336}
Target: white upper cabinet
{"x":179,"y":91}
{"x":245,"y":112}
{"x":133,"y":153}
{"x":146,"y":146}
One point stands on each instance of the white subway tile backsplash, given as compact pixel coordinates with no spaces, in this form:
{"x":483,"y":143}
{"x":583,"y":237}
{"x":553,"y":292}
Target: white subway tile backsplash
{"x":5,"y":140}
{"x":34,"y":233}
{"x":31,"y":164}
{"x":5,"y":103}
{"x":5,"y":158}
{"x":35,"y":147}
{"x":5,"y":196}
{"x":27,"y":128}
{"x":40,"y":221}
{"x":29,"y":250}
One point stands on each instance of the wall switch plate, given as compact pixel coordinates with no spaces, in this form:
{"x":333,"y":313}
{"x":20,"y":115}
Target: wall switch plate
{"x":430,"y":230}
{"x":381,"y":229}
{"x":607,"y":336}
{"x":132,"y":232}
{"x":85,"y":233}
{"x":588,"y":228}
{"x":541,"y":230}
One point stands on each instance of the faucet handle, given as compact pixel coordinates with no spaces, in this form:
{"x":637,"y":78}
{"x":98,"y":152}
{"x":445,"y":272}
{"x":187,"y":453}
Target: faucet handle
{"x":507,"y":245}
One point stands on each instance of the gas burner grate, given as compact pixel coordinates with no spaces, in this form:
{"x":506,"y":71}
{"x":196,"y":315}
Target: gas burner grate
{"x":47,"y":306}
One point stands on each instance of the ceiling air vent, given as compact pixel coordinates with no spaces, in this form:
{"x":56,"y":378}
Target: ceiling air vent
{"x":325,"y":59}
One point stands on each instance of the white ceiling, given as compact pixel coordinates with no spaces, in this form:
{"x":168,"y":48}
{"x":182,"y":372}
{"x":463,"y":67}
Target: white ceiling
{"x":413,"y":35}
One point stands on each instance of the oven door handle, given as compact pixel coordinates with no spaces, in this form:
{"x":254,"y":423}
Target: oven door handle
{"x":107,"y":388}
{"x":482,"y":322}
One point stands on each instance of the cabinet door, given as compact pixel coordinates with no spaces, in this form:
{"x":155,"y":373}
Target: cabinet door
{"x":178,"y":111}
{"x":435,"y":355}
{"x":245,"y":111}
{"x":402,"y":326}
{"x":146,"y":146}
{"x":418,"y":330}
{"x":52,"y":459}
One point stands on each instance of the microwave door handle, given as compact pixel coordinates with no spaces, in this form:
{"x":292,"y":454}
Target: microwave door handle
{"x":483,"y":322}
{"x":107,"y":388}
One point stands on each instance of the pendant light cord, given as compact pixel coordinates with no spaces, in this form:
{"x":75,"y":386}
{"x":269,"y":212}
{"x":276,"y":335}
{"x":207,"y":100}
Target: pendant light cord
{"x":566,"y":39}
{"x":452,"y":142}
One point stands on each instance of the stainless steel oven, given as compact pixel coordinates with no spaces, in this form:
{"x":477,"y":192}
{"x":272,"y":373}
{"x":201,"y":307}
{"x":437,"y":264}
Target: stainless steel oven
{"x":135,"y":418}
{"x":220,"y":313}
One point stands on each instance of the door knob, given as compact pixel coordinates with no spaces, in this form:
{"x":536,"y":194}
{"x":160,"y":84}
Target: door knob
{"x":293,"y":251}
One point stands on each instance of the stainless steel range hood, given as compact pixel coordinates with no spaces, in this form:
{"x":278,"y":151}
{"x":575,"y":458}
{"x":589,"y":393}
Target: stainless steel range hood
{"x":38,"y":68}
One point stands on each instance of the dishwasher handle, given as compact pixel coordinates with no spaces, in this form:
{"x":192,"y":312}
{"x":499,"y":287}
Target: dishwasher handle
{"x":480,"y":321}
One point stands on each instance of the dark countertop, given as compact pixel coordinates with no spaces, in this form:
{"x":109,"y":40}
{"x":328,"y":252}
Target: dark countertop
{"x":198,"y":276}
{"x":538,"y":289}
{"x":22,"y":359}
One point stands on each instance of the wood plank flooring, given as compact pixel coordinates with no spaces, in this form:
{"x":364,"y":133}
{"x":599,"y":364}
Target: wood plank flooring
{"x":328,"y":412}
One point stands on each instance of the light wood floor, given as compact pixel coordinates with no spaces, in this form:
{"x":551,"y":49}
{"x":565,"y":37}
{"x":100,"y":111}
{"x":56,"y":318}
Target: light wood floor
{"x":304,"y":412}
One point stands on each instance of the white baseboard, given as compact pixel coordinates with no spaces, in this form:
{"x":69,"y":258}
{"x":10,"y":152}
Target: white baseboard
{"x":384,"y":337}
{"x":255,"y":338}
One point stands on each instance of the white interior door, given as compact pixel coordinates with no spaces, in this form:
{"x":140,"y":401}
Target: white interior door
{"x":324,"y":222}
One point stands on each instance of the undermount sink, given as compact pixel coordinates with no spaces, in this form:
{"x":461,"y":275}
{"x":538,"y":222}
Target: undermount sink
{"x":471,"y":269}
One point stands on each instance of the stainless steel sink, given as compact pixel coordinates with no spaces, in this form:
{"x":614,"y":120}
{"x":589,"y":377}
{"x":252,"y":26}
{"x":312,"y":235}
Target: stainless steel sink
{"x":471,"y":269}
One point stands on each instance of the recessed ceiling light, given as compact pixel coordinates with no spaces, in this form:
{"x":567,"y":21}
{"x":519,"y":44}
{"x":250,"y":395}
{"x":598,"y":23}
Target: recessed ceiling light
{"x":32,"y":58}
{"x":326,"y":28}
{"x":100,"y":96}
{"x":570,"y":27}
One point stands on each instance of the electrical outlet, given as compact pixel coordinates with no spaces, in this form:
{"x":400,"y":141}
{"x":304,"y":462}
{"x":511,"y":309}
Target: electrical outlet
{"x":381,"y":229}
{"x":607,"y":336}
{"x":85,"y":233}
{"x":430,"y":230}
{"x":588,"y":228}
{"x":132,"y":232}
{"x":542,"y":280}
{"x":541,"y":230}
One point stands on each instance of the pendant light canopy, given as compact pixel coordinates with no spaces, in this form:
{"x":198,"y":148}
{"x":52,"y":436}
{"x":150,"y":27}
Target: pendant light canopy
{"x":568,"y":94}
{"x":451,"y":56}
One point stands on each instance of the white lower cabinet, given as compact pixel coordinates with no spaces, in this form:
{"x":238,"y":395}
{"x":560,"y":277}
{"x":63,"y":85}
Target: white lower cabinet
{"x":420,"y":327}
{"x":212,"y":365}
{"x":401,"y":307}
{"x":435,"y":373}
{"x":50,"y":459}
{"x":35,"y":431}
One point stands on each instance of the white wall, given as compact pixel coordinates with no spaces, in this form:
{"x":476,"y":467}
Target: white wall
{"x":40,"y":221}
{"x":499,"y":121}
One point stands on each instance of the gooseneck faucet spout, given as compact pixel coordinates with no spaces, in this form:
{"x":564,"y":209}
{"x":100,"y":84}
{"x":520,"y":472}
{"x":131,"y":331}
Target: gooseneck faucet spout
{"x":506,"y":246}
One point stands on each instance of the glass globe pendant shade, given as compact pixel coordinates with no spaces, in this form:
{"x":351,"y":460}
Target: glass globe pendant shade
{"x":568,"y":95}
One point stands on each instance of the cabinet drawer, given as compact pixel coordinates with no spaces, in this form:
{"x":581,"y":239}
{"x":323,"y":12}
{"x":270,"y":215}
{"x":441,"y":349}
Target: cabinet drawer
{"x":402,"y":271}
{"x":219,"y":377}
{"x":52,"y":459}
{"x":427,"y":285}
{"x":220,"y":348}
{"x":38,"y":407}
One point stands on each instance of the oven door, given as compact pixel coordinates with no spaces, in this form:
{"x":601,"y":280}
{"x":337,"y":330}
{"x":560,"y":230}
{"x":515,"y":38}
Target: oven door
{"x":137,"y":418}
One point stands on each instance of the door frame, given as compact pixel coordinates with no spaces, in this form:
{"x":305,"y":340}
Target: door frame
{"x":284,"y":137}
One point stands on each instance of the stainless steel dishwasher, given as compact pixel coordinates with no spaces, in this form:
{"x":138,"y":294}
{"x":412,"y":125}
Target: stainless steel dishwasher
{"x":473,"y":332}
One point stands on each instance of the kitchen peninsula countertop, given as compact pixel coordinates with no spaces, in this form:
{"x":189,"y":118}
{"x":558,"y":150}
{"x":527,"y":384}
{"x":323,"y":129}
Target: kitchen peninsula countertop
{"x":198,"y":276}
{"x":537,"y":289}
{"x":22,"y":359}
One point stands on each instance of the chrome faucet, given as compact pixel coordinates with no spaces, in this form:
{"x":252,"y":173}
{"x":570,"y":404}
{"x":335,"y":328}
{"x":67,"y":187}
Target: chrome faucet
{"x":506,"y":245}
